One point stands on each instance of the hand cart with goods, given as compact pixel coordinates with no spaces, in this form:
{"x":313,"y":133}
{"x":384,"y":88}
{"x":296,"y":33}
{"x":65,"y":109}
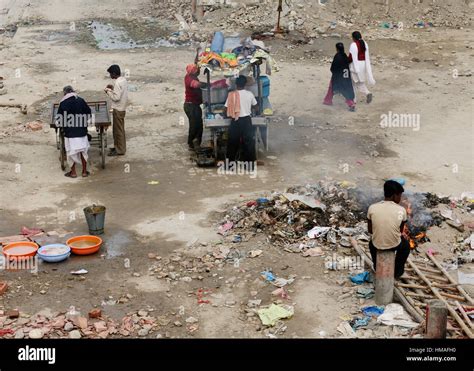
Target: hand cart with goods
{"x":225,"y":60}
{"x":101,"y":122}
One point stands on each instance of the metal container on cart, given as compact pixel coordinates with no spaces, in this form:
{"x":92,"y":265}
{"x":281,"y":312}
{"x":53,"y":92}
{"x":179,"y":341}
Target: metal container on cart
{"x":218,"y":95}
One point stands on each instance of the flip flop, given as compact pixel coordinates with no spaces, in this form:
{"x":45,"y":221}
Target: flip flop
{"x":86,"y":174}
{"x":68,"y":174}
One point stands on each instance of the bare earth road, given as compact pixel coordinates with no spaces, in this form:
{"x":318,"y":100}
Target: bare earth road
{"x":165,"y":218}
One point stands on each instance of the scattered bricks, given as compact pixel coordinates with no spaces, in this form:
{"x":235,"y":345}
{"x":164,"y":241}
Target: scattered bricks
{"x":100,"y":326}
{"x":3,"y":287}
{"x":14,"y":313}
{"x":95,"y":313}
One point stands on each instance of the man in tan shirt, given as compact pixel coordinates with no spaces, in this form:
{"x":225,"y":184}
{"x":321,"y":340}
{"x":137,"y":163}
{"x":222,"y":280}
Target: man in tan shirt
{"x":386,"y":220}
{"x":118,"y":93}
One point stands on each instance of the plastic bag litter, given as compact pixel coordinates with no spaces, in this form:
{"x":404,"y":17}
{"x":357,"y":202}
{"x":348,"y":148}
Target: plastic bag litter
{"x":373,"y":311}
{"x":280,"y":282}
{"x":306,"y":200}
{"x":271,"y":315}
{"x":470,"y":241}
{"x":224,"y":228}
{"x":360,"y":322}
{"x":360,"y":278}
{"x":365,"y":292}
{"x":268,"y":276}
{"x":318,"y":232}
{"x":331,"y":236}
{"x":281,"y":292}
{"x":395,"y":315}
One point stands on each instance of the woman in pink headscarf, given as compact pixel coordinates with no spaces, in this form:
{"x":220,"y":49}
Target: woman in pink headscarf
{"x":192,"y":104}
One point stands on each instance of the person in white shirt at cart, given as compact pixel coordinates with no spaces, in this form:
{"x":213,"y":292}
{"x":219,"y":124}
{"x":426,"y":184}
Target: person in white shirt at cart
{"x":239,"y":106}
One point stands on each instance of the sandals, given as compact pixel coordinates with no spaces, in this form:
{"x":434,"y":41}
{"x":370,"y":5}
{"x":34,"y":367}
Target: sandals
{"x":86,"y":174}
{"x":69,"y":175}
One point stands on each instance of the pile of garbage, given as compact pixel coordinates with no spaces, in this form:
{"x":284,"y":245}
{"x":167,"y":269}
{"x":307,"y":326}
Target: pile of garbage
{"x":302,"y":213}
{"x":329,"y":214}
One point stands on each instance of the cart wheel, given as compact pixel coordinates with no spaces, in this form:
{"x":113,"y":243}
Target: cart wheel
{"x":62,"y":152}
{"x":58,"y":142}
{"x":103,"y":146}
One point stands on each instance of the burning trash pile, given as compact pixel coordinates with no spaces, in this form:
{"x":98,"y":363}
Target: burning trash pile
{"x":330,"y":212}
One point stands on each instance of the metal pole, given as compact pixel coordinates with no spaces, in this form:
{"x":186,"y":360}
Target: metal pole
{"x":260,"y":92}
{"x":208,"y":88}
{"x":384,"y":277}
{"x":436,"y":319}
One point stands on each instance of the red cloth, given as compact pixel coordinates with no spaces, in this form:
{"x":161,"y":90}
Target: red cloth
{"x":360,"y":53}
{"x":330,"y":94}
{"x":193,"y":93}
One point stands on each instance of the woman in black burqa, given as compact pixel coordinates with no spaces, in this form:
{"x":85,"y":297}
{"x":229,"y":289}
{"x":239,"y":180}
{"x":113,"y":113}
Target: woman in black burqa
{"x":341,"y":82}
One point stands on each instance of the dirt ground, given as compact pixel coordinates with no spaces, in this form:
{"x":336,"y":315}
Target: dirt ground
{"x":308,"y":142}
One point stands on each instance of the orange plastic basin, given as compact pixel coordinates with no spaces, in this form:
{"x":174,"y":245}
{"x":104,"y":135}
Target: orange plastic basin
{"x":84,"y":245}
{"x":19,"y":250}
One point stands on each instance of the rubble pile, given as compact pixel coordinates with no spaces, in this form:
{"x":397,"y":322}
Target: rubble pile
{"x":313,"y":19}
{"x":71,"y":324}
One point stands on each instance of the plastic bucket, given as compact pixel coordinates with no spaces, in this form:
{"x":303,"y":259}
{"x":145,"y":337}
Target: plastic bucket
{"x":95,"y":217}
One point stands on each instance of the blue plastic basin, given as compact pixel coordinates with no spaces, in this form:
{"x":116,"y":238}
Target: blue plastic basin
{"x":54,"y":258}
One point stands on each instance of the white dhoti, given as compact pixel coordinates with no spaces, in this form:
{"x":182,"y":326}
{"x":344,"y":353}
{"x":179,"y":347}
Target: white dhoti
{"x":75,"y":147}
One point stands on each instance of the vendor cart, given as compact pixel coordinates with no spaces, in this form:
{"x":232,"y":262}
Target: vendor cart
{"x":214,"y":123}
{"x":101,"y":121}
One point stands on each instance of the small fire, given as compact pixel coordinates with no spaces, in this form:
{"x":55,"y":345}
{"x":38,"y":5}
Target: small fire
{"x":408,"y":234}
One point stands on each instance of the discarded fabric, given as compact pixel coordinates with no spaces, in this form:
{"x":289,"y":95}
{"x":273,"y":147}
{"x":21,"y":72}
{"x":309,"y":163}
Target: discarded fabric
{"x":269,"y":316}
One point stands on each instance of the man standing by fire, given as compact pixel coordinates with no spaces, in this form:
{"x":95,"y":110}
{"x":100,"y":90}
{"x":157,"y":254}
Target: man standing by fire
{"x":386,"y":221}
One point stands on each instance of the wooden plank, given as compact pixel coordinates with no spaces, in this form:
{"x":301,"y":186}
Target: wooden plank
{"x":410,"y":286}
{"x":448,"y":276}
{"x":435,"y":291}
{"x":430,"y":270}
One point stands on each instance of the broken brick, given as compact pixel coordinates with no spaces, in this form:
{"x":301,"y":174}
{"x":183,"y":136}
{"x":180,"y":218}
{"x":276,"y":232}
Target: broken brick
{"x":95,"y":313}
{"x":14,"y":313}
{"x":3,"y":287}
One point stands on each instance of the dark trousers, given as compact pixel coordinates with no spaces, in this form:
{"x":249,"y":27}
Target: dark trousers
{"x":194,"y":113}
{"x":402,"y":252}
{"x":241,"y":136}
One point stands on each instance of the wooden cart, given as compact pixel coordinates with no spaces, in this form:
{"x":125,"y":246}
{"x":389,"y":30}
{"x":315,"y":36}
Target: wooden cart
{"x":102,"y":120}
